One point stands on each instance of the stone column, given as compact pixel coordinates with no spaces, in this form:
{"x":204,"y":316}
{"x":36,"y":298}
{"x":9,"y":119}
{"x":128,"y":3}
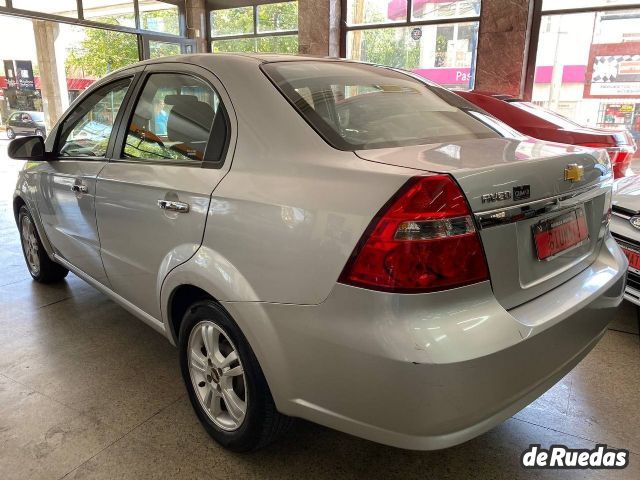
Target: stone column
{"x":53,"y":80}
{"x":195,"y":13}
{"x":319,"y":27}
{"x":503,"y":42}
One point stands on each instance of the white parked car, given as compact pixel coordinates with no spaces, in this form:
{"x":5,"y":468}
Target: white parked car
{"x":329,"y":240}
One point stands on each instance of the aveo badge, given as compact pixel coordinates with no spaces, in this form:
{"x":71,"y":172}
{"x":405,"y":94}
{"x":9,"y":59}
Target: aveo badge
{"x":635,"y":221}
{"x":520,"y":192}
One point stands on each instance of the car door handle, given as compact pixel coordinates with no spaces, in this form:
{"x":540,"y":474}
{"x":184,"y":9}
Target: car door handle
{"x":180,"y":207}
{"x":80,"y":188}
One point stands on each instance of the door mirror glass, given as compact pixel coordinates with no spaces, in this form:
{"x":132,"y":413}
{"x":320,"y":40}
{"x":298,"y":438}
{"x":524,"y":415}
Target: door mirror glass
{"x":27,"y":148}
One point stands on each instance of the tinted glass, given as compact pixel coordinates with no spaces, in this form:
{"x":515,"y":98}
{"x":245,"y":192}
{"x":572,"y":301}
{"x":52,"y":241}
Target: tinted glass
{"x":356,"y":106}
{"x":430,"y":10}
{"x":86,"y":131}
{"x":159,"y":16}
{"x":441,"y":53}
{"x":232,"y":21}
{"x":277,"y":17}
{"x":563,"y":4}
{"x":173,"y":120}
{"x":65,"y":8}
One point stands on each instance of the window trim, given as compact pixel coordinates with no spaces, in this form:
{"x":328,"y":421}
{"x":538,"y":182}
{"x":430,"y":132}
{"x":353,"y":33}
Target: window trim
{"x":123,"y":129}
{"x":211,"y":38}
{"x":55,"y":153}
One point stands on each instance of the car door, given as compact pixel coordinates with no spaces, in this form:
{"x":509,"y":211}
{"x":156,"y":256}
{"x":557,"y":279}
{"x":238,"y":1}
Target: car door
{"x":153,"y":196}
{"x":67,"y":182}
{"x":14,"y":122}
{"x":19,"y":124}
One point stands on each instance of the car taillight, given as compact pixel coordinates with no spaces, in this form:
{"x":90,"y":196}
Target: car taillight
{"x":620,"y":157}
{"x":423,"y":240}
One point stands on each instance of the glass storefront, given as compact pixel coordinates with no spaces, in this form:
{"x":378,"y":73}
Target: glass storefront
{"x":268,"y":28}
{"x":52,"y":60}
{"x":159,"y":17}
{"x":588,"y":64}
{"x":378,"y":31}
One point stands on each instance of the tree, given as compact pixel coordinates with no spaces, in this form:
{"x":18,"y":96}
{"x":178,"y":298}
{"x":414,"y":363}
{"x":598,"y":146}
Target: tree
{"x":102,"y":51}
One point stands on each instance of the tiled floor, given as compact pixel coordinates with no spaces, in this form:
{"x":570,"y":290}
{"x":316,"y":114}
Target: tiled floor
{"x":87,"y":391}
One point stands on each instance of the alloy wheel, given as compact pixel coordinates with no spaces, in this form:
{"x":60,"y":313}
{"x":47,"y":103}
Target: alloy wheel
{"x":30,"y":245}
{"x":217,"y":375}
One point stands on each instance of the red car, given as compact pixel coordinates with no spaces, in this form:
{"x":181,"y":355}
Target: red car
{"x":544,"y":124}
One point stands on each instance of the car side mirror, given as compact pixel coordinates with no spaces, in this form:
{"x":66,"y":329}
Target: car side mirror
{"x":27,"y":148}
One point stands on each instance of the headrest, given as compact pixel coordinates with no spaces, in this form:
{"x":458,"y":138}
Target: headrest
{"x":189,"y":119}
{"x":176,"y":99}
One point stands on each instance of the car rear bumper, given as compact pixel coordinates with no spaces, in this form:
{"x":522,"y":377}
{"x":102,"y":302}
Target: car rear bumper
{"x":428,"y":371}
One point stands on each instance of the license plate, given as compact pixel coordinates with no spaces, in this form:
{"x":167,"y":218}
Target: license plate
{"x":633,"y":257}
{"x":558,"y":234}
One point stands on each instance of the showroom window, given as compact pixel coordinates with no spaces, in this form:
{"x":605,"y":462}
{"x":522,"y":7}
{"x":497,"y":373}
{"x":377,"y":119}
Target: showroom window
{"x":161,"y":16}
{"x":587,"y":63}
{"x":434,"y":38}
{"x":267,"y":28}
{"x":88,"y":39}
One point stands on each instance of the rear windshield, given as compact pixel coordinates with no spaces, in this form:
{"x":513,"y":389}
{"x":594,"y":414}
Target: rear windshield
{"x":356,"y":107}
{"x":37,"y":116}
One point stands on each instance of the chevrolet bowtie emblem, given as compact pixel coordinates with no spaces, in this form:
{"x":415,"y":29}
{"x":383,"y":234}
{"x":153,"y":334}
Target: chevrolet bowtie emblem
{"x":573,"y":172}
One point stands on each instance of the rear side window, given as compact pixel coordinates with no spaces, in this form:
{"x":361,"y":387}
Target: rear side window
{"x":179,"y":118}
{"x":355,"y":106}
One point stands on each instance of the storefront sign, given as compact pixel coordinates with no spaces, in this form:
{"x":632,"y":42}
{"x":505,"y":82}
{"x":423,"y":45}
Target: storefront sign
{"x":446,"y":76}
{"x":24,"y":75}
{"x":10,"y":73}
{"x":19,"y":74}
{"x":614,"y":71}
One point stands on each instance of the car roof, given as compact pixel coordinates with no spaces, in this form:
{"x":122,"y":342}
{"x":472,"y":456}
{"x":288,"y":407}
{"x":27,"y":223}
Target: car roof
{"x":228,"y":59}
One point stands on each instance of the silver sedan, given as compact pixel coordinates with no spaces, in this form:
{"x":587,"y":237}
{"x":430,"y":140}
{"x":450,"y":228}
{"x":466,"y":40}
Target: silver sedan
{"x":329,"y":240}
{"x":625,"y":226}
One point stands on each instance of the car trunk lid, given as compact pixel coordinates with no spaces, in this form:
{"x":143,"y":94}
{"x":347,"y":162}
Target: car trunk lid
{"x":513,"y":187}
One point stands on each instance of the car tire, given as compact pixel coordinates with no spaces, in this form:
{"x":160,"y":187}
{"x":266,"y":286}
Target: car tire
{"x":39,"y":133}
{"x":40,"y":266}
{"x":10,"y":133}
{"x":209,"y":392}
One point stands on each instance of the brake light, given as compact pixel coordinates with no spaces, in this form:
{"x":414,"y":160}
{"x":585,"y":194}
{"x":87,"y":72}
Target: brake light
{"x":423,"y":240}
{"x":620,"y":157}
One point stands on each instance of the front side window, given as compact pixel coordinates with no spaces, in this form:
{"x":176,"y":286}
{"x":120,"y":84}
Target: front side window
{"x":86,"y":131}
{"x":355,"y":106}
{"x":174,"y":119}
